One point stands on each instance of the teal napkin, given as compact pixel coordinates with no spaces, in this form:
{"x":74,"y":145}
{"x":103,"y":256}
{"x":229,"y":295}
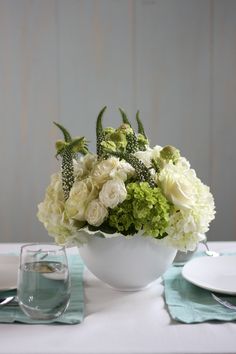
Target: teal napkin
{"x":74,"y":313}
{"x":191,"y":304}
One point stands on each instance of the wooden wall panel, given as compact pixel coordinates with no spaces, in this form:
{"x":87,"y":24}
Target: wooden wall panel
{"x":96,"y":62}
{"x":172,"y":73}
{"x":223,"y":116}
{"x":28,"y":104}
{"x":63,"y":60}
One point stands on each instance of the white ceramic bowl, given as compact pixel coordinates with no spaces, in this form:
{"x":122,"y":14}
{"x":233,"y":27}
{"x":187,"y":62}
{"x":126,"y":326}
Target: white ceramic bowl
{"x":127,"y":264}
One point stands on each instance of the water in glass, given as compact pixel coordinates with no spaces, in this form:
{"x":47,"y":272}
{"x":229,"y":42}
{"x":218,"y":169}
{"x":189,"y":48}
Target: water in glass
{"x":43,"y":284}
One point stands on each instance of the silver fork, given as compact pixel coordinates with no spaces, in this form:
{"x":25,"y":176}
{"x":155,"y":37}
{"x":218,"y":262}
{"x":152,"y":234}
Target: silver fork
{"x":223,"y":302}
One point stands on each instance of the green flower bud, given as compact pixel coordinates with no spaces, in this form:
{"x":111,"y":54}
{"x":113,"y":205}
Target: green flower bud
{"x":170,"y":153}
{"x":119,"y":138}
{"x":79,"y":144}
{"x":108,"y":145}
{"x":142,"y":142}
{"x":60,"y":145}
{"x":107,"y":132}
{"x":125,"y":128}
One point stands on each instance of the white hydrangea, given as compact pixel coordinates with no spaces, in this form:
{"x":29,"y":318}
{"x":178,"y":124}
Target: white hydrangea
{"x":51,"y":212}
{"x":84,"y":165}
{"x":194,"y":206}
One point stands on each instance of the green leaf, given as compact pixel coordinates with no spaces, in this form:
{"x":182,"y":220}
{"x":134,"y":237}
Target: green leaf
{"x":65,"y":132}
{"x":140,"y":125}
{"x":79,"y":145}
{"x":124,"y":117}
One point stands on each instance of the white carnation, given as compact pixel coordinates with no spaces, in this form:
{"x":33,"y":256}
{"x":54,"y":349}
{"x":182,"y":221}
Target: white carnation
{"x":89,"y":161}
{"x":84,"y":165}
{"x":112,"y":193}
{"x":78,"y":169}
{"x":156,"y":152}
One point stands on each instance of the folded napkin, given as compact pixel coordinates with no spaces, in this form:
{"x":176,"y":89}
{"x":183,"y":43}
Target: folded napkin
{"x":191,"y":304}
{"x":73,"y":314}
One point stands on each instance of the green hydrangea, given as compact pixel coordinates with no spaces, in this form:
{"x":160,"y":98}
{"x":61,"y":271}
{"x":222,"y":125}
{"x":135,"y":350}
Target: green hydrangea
{"x":144,"y":208}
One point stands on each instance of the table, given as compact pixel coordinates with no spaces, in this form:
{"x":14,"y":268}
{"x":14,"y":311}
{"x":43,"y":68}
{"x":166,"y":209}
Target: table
{"x":119,"y":322}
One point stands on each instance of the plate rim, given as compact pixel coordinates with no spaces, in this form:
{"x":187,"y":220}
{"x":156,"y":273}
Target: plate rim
{"x":203,"y":285}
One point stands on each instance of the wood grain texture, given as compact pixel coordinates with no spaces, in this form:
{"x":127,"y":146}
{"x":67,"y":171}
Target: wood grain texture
{"x":223,"y":120}
{"x":63,"y":60}
{"x":28,"y":105}
{"x":172,"y":73}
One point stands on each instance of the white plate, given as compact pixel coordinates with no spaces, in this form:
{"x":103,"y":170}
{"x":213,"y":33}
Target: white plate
{"x":8,"y":271}
{"x":212,"y":273}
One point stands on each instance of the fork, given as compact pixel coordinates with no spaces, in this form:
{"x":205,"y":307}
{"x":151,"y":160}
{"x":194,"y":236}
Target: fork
{"x":223,"y":302}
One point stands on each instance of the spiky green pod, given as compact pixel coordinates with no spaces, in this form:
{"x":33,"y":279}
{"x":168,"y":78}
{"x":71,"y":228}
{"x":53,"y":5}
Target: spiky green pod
{"x":68,"y":149}
{"x":132,"y":144}
{"x":99,"y":132}
{"x":67,"y":171}
{"x":141,"y":170}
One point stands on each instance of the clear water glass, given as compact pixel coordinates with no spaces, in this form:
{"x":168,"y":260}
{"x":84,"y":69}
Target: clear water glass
{"x":43,"y":288}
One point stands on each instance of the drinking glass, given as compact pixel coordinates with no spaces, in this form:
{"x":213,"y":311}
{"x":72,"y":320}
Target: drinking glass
{"x":43,"y":288}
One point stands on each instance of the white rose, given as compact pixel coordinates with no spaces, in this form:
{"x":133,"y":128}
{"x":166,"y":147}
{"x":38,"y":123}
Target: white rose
{"x":102,"y":171}
{"x":96,"y":213}
{"x":177,"y":187}
{"x":145,"y":156}
{"x":81,"y":194}
{"x":187,"y":225}
{"x":122,"y":171}
{"x":113,"y":192}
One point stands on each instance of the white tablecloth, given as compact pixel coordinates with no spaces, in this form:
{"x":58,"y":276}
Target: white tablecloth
{"x":118,"y":322}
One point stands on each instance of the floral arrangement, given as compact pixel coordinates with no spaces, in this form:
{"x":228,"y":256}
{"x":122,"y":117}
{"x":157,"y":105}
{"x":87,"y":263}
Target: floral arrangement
{"x":127,"y":187}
